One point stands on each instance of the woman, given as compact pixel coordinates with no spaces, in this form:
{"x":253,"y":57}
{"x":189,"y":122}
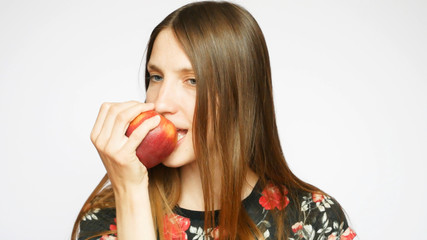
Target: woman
{"x":208,"y":72}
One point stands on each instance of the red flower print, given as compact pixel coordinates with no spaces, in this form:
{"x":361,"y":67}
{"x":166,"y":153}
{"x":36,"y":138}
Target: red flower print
{"x":348,"y":234}
{"x":174,"y":227}
{"x":272,"y":198}
{"x":112,"y":226}
{"x":215,"y":233}
{"x":297,"y":227}
{"x":332,"y":237}
{"x":108,"y":237}
{"x":317,"y":197}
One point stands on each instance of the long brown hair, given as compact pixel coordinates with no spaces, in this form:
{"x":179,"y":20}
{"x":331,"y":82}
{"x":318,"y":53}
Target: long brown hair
{"x":234,"y":121}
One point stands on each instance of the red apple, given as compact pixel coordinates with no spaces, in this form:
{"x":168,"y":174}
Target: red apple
{"x":159,"y":142}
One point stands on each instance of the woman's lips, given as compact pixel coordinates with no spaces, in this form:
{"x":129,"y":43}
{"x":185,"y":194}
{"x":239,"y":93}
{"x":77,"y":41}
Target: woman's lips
{"x":181,"y":134}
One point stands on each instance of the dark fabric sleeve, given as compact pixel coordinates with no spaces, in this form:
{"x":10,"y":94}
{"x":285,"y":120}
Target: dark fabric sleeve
{"x":98,"y":221}
{"x":321,"y":218}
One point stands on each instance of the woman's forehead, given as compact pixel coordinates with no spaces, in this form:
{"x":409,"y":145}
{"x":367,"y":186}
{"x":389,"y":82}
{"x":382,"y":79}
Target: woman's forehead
{"x":168,"y":53}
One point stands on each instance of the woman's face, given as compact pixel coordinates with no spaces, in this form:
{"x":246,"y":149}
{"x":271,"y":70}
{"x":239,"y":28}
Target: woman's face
{"x":172,"y":89}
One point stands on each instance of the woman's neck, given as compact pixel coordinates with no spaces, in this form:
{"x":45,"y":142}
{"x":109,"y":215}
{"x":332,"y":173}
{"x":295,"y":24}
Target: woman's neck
{"x":191,"y":197}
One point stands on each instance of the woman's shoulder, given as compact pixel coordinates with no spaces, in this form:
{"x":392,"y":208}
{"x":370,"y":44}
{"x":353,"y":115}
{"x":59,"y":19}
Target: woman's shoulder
{"x":321,"y":216}
{"x":98,"y":222}
{"x":310,"y":215}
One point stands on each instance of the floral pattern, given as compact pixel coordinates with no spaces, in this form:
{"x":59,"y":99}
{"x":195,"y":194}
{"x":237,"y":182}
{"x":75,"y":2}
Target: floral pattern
{"x":200,"y":234}
{"x":272,"y":197}
{"x":175,"y":227}
{"x":113,"y":227}
{"x":108,"y":237}
{"x":319,"y":220}
{"x":318,"y":217}
{"x":348,"y":234}
{"x":91,"y":215}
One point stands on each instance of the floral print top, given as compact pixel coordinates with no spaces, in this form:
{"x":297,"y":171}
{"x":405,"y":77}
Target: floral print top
{"x":318,"y":217}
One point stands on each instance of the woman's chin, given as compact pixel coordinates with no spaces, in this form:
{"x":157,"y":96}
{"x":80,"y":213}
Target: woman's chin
{"x":179,"y":158}
{"x":176,"y":163}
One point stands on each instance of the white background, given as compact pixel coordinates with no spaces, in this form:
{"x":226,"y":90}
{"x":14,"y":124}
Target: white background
{"x":350,"y":85}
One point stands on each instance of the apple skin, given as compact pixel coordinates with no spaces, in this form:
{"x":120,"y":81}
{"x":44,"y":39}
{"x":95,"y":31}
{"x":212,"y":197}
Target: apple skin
{"x":159,"y":142}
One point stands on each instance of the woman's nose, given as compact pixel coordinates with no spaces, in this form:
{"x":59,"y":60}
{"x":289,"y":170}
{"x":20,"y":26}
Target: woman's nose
{"x":166,"y":101}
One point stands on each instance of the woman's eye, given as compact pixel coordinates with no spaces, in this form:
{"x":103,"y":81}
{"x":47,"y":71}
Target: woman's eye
{"x":155,"y":78}
{"x":192,"y":81}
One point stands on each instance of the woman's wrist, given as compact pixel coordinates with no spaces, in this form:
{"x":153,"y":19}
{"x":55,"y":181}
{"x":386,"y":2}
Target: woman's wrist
{"x":133,"y":212}
{"x":133,"y":190}
{"x":131,"y":195}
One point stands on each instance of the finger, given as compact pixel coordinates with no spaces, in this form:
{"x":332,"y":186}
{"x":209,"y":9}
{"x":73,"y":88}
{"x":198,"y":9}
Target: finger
{"x":140,"y":132}
{"x":99,"y":121}
{"x":124,"y":118}
{"x":110,"y":118}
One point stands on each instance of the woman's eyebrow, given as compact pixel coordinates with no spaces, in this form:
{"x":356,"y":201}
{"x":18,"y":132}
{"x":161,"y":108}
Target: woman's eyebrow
{"x":185,"y":70}
{"x":153,"y":67}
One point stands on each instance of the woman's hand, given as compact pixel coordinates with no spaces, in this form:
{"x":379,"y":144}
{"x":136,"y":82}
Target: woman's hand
{"x":127,"y":174}
{"x":118,"y":152}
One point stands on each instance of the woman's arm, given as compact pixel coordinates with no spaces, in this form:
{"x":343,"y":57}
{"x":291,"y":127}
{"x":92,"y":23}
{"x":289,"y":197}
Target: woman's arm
{"x":134,"y":219}
{"x":128,"y":176}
